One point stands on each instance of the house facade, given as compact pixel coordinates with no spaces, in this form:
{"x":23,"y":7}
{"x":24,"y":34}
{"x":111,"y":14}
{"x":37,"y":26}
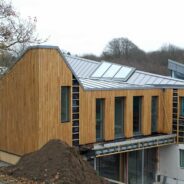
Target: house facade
{"x":119,"y":117}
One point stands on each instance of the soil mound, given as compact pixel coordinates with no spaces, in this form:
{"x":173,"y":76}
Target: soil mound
{"x":55,"y":162}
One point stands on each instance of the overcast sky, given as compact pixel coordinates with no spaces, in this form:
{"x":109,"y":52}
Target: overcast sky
{"x":86,"y":26}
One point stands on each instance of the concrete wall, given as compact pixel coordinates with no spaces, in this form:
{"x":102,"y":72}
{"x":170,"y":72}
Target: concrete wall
{"x":169,"y":167}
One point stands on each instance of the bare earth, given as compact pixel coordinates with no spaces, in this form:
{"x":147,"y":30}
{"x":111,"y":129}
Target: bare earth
{"x":56,"y":163}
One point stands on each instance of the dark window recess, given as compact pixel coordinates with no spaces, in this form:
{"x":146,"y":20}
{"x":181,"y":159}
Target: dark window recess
{"x":75,"y":116}
{"x":174,"y":127}
{"x":65,"y":103}
{"x":175,"y":98}
{"x":174,"y":115}
{"x":119,"y":117}
{"x":75,"y":89}
{"x":181,"y":134}
{"x":137,"y":112}
{"x":174,"y":110}
{"x":182,"y":106}
{"x":75,"y":82}
{"x":109,"y":166}
{"x":76,"y":123}
{"x":154,"y":113}
{"x":75,"y":136}
{"x":75,"y":102}
{"x":75,"y":96}
{"x":75,"y":109}
{"x":75,"y":129}
{"x":99,"y":119}
{"x":75,"y":142}
{"x":175,"y":105}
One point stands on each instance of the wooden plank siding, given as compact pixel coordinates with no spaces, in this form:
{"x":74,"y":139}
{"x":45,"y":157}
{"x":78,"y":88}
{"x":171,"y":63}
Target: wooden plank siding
{"x":31,"y":98}
{"x":88,"y":119}
{"x":53,"y":73}
{"x":168,"y":110}
{"x":30,"y":102}
{"x":19,"y":106}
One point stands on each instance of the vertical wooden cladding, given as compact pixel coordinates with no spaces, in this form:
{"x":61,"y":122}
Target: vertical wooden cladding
{"x":30,"y":102}
{"x":53,"y":73}
{"x":19,"y":106}
{"x":88,"y":119}
{"x":168,"y":107}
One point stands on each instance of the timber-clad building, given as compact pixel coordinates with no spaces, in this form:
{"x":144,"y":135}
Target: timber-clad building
{"x":119,"y":115}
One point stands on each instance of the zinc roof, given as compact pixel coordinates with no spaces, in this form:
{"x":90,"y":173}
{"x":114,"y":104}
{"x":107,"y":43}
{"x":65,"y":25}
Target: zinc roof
{"x":84,"y":69}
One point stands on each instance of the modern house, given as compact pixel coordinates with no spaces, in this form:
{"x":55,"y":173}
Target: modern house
{"x":118,"y":116}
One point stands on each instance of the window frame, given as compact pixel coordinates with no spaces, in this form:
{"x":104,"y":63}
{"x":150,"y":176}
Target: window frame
{"x":140,"y":115}
{"x":102,"y":108}
{"x":122,"y":98}
{"x":67,"y":104}
{"x":156,"y":113}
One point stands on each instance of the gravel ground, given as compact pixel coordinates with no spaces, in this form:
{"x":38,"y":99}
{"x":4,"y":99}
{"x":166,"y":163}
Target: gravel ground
{"x":3,"y":164}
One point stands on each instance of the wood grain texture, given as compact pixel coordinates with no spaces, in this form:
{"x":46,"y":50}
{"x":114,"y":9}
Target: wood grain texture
{"x":88,"y":119}
{"x":9,"y":158}
{"x":30,"y":102}
{"x":19,"y":106}
{"x":168,"y":108}
{"x":53,"y":73}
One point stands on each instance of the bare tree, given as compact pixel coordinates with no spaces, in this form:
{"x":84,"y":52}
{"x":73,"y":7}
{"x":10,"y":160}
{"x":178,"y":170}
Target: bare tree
{"x":120,"y":47}
{"x":15,"y":33}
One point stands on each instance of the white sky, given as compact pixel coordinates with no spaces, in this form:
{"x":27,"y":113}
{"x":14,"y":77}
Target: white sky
{"x":86,"y":26}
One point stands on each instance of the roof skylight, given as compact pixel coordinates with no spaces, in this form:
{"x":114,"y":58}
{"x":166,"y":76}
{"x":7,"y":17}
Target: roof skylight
{"x":101,"y":70}
{"x":112,"y":71}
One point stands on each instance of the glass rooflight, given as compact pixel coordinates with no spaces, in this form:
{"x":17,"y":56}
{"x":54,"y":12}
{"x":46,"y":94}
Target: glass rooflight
{"x":101,"y":70}
{"x":112,"y":70}
{"x":123,"y":72}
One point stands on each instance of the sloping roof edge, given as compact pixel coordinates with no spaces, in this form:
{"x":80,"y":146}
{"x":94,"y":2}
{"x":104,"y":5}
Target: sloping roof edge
{"x":44,"y":47}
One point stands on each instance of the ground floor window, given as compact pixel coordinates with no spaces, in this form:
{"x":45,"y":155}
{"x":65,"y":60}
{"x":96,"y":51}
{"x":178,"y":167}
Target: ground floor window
{"x":142,"y":166}
{"x":182,"y":158}
{"x":108,"y":166}
{"x":136,"y":167}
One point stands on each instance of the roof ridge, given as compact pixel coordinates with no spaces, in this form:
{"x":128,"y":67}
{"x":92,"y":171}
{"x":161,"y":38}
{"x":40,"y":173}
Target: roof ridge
{"x":84,"y":59}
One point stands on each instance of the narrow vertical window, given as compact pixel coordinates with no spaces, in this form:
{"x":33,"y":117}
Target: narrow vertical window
{"x":137,"y":113}
{"x":65,"y":104}
{"x":182,"y":158}
{"x":99,"y":119}
{"x":119,"y":117}
{"x":182,"y":106}
{"x":154,"y":113}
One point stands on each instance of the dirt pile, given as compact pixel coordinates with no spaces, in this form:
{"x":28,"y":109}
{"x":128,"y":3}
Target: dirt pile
{"x":55,"y":162}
